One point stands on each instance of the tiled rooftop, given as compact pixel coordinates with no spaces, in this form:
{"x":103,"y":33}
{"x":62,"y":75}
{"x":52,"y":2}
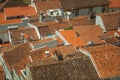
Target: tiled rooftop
{"x":70,"y":36}
{"x":64,"y":50}
{"x":29,"y":34}
{"x":111,"y":20}
{"x":54,"y":25}
{"x":42,"y":41}
{"x":19,"y":11}
{"x":14,"y":21}
{"x":89,"y":33}
{"x":47,"y":5}
{"x":79,"y":67}
{"x":114,"y":4}
{"x":82,"y":20}
{"x":107,"y":59}
{"x":2,"y":74}
{"x":79,"y":4}
{"x":17,"y":54}
{"x":13,"y":11}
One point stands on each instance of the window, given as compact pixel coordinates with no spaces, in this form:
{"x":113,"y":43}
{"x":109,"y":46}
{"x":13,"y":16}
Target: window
{"x":23,"y":72}
{"x":51,"y":13}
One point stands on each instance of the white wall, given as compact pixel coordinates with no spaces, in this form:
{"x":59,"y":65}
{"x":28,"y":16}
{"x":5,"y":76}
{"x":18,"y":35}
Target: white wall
{"x":100,"y":22}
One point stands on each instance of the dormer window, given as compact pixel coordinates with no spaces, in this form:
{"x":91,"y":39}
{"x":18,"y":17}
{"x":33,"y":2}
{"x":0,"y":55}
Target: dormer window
{"x":23,"y":73}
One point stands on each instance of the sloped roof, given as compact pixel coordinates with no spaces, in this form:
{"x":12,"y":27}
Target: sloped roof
{"x":17,"y":54}
{"x":89,"y":33}
{"x":3,"y":21}
{"x":111,"y":20}
{"x":71,"y":37}
{"x":2,"y":73}
{"x":82,"y":20}
{"x":106,"y":59}
{"x":43,"y":29}
{"x":19,"y":11}
{"x":114,"y":4}
{"x":71,"y":69}
{"x":47,"y":5}
{"x":79,"y":4}
{"x":29,"y":34}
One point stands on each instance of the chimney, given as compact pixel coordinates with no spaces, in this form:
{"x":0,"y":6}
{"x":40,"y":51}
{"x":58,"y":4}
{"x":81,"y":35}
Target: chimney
{"x":57,"y":55}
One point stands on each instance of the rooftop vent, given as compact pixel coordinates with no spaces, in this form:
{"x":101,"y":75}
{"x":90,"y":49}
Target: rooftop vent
{"x":90,"y":43}
{"x":77,"y":34}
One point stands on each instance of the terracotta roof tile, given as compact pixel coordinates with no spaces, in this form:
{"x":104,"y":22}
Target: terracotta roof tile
{"x":42,"y":41}
{"x":73,"y":68}
{"x":2,"y":74}
{"x":47,"y":5}
{"x":71,"y":37}
{"x":6,"y":22}
{"x":107,"y":60}
{"x":82,"y":20}
{"x":79,"y":4}
{"x":28,"y":33}
{"x":39,"y":53}
{"x":3,"y":21}
{"x":65,"y":50}
{"x":21,"y":65}
{"x":111,"y":20}
{"x":17,"y":54}
{"x":19,"y":11}
{"x":29,"y":11}
{"x":13,"y":11}
{"x":6,"y":47}
{"x":54,"y":25}
{"x":114,"y":4}
{"x":2,"y":17}
{"x":43,"y":29}
{"x":89,"y":33}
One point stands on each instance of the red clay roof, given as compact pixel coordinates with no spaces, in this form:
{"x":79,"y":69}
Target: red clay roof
{"x":106,"y":59}
{"x":76,"y":67}
{"x":28,"y":33}
{"x":2,"y":17}
{"x":111,"y":20}
{"x":13,"y":11}
{"x":6,"y":22}
{"x":89,"y":33}
{"x":47,"y":5}
{"x":3,"y":21}
{"x":2,"y":74}
{"x":29,"y":11}
{"x":70,"y":36}
{"x":19,"y":11}
{"x":114,"y":4}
